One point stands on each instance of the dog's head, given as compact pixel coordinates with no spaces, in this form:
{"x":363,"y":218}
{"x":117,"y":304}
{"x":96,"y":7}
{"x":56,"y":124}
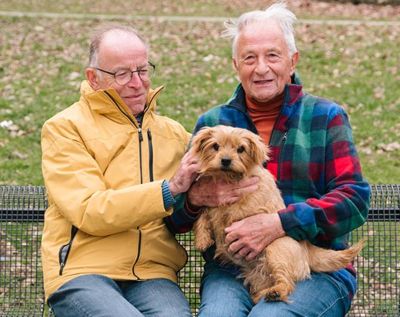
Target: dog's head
{"x":228,"y":151}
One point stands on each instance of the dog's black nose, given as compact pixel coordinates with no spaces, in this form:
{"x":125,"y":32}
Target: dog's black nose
{"x":225,"y":162}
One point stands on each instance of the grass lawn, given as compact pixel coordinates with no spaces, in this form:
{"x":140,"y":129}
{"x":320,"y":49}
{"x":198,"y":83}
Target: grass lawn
{"x":42,"y":61}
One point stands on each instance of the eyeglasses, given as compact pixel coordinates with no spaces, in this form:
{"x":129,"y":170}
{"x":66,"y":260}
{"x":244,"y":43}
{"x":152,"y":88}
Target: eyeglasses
{"x":124,"y":76}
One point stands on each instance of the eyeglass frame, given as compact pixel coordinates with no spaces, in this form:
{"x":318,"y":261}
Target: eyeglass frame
{"x":132,"y":72}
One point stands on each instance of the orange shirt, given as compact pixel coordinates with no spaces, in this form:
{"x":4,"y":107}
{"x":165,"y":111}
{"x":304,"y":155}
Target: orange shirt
{"x":264,"y":116}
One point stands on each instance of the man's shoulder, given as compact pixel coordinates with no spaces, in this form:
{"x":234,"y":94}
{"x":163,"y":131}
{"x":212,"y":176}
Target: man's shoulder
{"x":321,"y":105}
{"x":219,"y":114}
{"x":68,"y":113}
{"x":164,"y":122}
{"x":229,"y":107}
{"x":214,"y":111}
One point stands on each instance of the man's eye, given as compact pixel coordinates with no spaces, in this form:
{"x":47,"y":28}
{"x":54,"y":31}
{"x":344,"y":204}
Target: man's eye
{"x":121,"y":73}
{"x":273,"y":56}
{"x":249,"y":59}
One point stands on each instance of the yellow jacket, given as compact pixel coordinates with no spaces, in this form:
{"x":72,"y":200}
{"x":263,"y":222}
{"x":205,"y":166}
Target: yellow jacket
{"x":103,"y":175}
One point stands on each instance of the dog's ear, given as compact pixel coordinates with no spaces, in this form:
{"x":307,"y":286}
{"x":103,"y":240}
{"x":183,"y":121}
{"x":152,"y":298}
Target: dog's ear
{"x":199,"y":139}
{"x":258,"y":149}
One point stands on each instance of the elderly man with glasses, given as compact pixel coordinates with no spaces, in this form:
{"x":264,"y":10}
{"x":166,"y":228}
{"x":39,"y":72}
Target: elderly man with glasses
{"x":113,"y":168}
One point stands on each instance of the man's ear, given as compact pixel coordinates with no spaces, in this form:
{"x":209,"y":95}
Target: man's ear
{"x":92,"y":78}
{"x":235,"y":64}
{"x":295,"y":59}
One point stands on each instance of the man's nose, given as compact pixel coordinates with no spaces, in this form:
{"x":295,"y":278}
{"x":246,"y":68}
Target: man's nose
{"x":135,"y":80}
{"x":262,"y":66}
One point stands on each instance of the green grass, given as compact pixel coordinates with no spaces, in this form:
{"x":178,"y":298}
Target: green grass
{"x":43,"y":60}
{"x":211,"y":8}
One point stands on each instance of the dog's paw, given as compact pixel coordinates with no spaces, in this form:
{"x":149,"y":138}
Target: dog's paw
{"x":273,"y":296}
{"x":277,"y":293}
{"x":266,"y":294}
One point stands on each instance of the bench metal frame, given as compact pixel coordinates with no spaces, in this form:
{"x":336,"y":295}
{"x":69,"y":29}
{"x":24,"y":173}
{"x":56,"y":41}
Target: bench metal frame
{"x":21,"y":285}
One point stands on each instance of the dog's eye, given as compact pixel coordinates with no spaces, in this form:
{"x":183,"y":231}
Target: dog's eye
{"x":215,"y":146}
{"x":240,"y":149}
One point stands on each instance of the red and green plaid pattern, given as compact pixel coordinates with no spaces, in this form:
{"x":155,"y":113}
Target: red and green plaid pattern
{"x":314,"y":161}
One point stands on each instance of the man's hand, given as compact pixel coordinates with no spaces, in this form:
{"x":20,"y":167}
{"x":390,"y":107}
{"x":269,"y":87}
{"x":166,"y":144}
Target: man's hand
{"x":248,"y":237}
{"x":185,"y":175}
{"x":209,"y":193}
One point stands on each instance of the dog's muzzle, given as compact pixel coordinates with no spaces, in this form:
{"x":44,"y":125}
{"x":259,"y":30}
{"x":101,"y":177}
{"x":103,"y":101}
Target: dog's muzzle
{"x":225,"y":163}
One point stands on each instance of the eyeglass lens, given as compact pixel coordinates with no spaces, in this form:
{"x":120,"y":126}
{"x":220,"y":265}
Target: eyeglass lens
{"x":122,"y":77}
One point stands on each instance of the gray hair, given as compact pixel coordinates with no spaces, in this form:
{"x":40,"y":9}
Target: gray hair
{"x":98,"y":36}
{"x":277,"y":12}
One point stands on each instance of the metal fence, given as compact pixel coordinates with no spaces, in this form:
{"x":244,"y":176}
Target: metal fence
{"x":21,"y":285}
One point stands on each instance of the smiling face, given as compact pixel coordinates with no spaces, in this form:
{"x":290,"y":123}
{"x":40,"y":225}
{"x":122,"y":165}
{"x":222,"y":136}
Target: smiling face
{"x":263,"y":62}
{"x":121,"y":50}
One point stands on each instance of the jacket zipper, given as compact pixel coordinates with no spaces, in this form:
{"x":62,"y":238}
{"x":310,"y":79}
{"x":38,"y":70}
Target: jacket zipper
{"x":138,"y":253}
{"x":149,"y":137}
{"x":65,"y":249}
{"x":282,"y":143}
{"x":140,"y":136}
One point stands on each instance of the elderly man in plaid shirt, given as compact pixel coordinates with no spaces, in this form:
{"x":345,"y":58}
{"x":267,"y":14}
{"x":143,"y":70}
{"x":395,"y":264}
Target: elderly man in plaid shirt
{"x":314,"y":161}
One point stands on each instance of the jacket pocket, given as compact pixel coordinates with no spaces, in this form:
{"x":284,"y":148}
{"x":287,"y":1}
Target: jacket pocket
{"x":65,"y":249}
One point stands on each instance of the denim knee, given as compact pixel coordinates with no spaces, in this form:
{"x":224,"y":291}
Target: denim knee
{"x":91,"y":296}
{"x":222,"y":294}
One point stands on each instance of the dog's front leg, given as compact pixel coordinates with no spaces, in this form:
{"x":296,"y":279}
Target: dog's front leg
{"x":203,"y":232}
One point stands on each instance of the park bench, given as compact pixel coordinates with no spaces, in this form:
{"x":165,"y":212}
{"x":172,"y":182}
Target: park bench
{"x":21,"y":286}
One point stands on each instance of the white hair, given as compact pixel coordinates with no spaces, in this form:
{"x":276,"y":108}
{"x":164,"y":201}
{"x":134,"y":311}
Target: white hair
{"x":277,"y":12}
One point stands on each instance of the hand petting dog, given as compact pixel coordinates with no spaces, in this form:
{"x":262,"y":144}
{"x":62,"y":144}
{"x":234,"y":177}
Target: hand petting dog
{"x":211,"y":192}
{"x":185,"y":175}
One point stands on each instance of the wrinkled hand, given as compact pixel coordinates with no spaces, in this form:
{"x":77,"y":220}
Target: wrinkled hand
{"x":209,"y":193}
{"x":248,"y":237}
{"x":185,"y":175}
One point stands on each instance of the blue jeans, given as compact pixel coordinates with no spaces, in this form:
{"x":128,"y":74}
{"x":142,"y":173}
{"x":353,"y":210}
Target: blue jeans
{"x":99,"y":296}
{"x":223,"y":295}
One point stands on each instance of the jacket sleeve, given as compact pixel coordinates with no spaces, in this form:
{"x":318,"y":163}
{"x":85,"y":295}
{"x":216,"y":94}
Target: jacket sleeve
{"x":76,"y":186}
{"x":343,"y":206}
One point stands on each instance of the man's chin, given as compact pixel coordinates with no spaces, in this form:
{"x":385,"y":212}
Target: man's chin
{"x":136,"y":108}
{"x":262,"y":98}
{"x":266,"y":96}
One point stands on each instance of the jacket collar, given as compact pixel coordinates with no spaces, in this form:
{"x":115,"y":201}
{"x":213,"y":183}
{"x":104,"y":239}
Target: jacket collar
{"x":108,"y":102}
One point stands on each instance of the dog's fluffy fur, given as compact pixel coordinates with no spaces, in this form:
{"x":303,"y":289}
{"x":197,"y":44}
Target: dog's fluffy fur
{"x":231,"y":154}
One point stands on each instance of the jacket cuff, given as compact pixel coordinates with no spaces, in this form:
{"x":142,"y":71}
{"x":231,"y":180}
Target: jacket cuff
{"x":167,"y":196}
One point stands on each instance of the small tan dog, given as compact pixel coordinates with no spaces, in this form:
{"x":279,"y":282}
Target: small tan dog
{"x":231,"y":154}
